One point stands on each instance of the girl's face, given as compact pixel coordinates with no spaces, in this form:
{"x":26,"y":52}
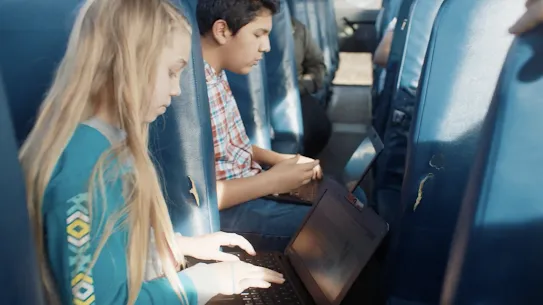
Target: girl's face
{"x":172,"y":61}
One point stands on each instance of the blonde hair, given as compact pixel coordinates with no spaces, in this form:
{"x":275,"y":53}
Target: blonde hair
{"x":113,"y":52}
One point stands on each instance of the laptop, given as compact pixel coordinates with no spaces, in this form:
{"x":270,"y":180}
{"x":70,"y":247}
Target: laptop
{"x":353,"y":173}
{"x":324,"y":258}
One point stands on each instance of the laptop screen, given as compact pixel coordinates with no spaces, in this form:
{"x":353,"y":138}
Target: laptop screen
{"x":333,"y":246}
{"x":361,"y":160}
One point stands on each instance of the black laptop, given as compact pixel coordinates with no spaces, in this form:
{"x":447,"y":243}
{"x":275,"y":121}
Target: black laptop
{"x":356,"y":169}
{"x":323,"y":259}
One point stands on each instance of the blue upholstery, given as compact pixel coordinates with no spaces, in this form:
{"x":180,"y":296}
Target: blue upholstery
{"x":467,"y":48}
{"x":183,"y":145}
{"x":31,"y":48}
{"x":391,"y":165}
{"x":20,"y":282}
{"x":298,"y":10}
{"x":333,"y":33}
{"x":251,"y":95}
{"x":496,"y":255}
{"x":309,"y":14}
{"x":321,"y":11}
{"x":284,"y":96}
{"x":391,"y":10}
{"x":313,"y":18}
{"x":381,"y":107}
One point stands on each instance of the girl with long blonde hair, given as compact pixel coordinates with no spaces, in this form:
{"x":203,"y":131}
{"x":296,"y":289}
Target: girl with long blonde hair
{"x":101,"y":224}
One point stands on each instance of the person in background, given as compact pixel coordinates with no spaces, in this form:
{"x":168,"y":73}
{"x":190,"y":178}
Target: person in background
{"x":311,"y":71}
{"x":234,"y":36}
{"x":531,"y":18}
{"x":100,"y":221}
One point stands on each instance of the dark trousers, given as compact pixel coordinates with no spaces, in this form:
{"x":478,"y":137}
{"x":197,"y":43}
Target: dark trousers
{"x":317,"y":126}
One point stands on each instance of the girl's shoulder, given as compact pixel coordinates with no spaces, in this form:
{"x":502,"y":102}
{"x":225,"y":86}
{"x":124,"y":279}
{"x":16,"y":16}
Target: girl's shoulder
{"x":75,"y":166}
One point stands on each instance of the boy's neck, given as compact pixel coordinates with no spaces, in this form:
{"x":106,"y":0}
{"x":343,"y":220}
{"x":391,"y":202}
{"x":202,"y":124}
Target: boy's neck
{"x":211,"y":54}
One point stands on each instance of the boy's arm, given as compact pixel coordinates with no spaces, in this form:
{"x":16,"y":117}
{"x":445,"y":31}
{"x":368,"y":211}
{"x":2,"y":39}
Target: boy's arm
{"x":283,"y":177}
{"x":233,"y":192}
{"x":268,"y":157}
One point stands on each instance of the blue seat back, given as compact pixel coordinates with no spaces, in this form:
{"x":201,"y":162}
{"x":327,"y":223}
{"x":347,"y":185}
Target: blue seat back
{"x":391,"y":10}
{"x":382,"y":104}
{"x":310,"y":14}
{"x":20,"y":282}
{"x":33,"y":46}
{"x":328,"y":49}
{"x":284,"y":96}
{"x":333,"y":32}
{"x":251,"y":94}
{"x":467,"y":48}
{"x":298,"y":10}
{"x":496,"y":255}
{"x":408,"y":67}
{"x":183,"y":145}
{"x":313,"y":18}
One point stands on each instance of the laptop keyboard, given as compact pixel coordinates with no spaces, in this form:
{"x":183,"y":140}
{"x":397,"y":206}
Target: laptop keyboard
{"x":275,"y":295}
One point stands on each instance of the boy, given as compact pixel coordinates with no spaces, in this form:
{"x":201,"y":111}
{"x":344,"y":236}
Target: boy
{"x":234,"y":36}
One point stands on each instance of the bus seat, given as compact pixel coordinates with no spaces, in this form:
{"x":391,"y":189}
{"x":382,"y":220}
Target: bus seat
{"x":313,"y":19}
{"x":31,"y":49}
{"x":333,"y":33}
{"x":251,"y":95}
{"x":284,"y":96}
{"x":391,"y":164}
{"x":381,"y":106}
{"x":329,"y":29}
{"x":467,"y":48}
{"x":496,"y":254}
{"x":182,"y":143}
{"x":298,"y":10}
{"x":20,"y":281}
{"x":389,"y":10}
{"x":322,"y":30}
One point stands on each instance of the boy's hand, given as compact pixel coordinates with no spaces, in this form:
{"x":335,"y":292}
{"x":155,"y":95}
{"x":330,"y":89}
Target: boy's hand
{"x":291,"y":174}
{"x":317,"y":170}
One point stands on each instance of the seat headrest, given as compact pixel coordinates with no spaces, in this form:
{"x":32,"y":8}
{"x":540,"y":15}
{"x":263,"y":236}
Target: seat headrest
{"x":501,"y":217}
{"x":284,"y":96}
{"x":418,"y":35}
{"x":20,"y":279}
{"x":251,"y":94}
{"x":33,"y":46}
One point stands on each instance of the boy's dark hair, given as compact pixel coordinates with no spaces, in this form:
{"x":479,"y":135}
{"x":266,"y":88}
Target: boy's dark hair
{"x":236,"y":13}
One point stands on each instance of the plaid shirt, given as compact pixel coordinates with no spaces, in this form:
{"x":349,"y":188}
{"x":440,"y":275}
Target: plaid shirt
{"x":233,"y":150}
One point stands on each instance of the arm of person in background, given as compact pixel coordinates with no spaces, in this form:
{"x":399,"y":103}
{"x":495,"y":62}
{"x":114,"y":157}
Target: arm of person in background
{"x":380,"y":57}
{"x":531,"y":18}
{"x":313,"y":65}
